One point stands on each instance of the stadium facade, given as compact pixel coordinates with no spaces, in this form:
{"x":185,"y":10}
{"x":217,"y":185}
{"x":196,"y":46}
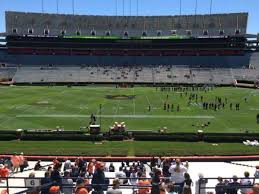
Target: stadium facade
{"x":207,"y":41}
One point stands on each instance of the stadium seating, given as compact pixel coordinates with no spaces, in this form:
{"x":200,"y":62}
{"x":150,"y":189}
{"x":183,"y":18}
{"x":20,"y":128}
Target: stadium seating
{"x":130,"y":74}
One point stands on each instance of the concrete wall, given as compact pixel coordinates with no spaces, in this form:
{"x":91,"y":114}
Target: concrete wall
{"x":118,"y":25}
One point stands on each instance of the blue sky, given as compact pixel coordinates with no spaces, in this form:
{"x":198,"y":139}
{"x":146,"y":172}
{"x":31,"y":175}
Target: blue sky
{"x":146,"y":7}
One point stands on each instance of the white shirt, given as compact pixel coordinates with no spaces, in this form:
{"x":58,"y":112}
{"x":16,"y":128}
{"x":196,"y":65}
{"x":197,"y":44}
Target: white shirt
{"x":245,"y":181}
{"x":177,"y":176}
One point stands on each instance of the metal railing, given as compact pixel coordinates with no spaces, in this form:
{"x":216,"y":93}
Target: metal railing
{"x":32,"y":188}
{"x":224,"y":186}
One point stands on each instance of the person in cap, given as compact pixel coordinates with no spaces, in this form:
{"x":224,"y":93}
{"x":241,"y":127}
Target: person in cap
{"x":98,"y":180}
{"x":54,"y":190}
{"x":115,"y":187}
{"x":80,"y":187}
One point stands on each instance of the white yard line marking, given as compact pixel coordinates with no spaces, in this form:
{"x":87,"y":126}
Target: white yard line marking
{"x":116,"y":116}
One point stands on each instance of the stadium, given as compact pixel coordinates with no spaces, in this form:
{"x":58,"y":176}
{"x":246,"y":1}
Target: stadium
{"x":144,"y":90}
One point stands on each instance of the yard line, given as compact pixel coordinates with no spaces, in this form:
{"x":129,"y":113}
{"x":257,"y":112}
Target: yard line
{"x":117,"y":116}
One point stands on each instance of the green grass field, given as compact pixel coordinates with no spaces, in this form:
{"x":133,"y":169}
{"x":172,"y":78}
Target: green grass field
{"x":42,"y":107}
{"x":48,"y":107}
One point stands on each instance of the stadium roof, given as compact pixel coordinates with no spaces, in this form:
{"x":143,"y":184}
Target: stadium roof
{"x":196,"y":25}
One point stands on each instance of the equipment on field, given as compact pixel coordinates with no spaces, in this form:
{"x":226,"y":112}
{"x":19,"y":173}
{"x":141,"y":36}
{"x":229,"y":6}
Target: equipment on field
{"x":94,"y":129}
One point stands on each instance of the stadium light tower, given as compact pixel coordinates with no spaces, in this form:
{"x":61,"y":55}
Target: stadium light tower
{"x":73,"y":6}
{"x":180,"y":8}
{"x":211,"y":2}
{"x":57,"y":2}
{"x":196,"y":7}
{"x":137,"y":7}
{"x":42,"y":6}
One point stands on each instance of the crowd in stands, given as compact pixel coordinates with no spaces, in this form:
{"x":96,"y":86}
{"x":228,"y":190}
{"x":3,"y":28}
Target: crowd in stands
{"x":167,"y":176}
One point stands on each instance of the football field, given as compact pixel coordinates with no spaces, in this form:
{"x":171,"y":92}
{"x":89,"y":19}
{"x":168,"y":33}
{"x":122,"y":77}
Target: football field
{"x":141,"y":108}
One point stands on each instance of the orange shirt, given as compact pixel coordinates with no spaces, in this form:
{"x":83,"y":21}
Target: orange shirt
{"x":144,"y":190}
{"x":21,"y":160}
{"x":4,"y":172}
{"x":81,"y":190}
{"x":4,"y":191}
{"x":15,"y":161}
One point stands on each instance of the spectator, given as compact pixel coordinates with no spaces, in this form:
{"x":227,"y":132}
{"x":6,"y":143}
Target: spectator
{"x":15,"y":162}
{"x":200,"y":183}
{"x":21,"y":160}
{"x":233,"y":186}
{"x":120,"y":175}
{"x":24,"y":165}
{"x":56,"y":163}
{"x":255,"y":189}
{"x":133,"y":177}
{"x":98,"y":180}
{"x":111,"y":167}
{"x":4,"y":172}
{"x":67,"y":164}
{"x":90,"y":167}
{"x":115,"y":187}
{"x":55,"y":176}
{"x":80,"y":187}
{"x":38,"y":166}
{"x":34,"y":190}
{"x":177,"y":171}
{"x":143,"y":182}
{"x":256,"y":175}
{"x":45,"y":181}
{"x":54,"y":190}
{"x":155,"y":182}
{"x":220,"y":187}
{"x":67,"y":183}
{"x":187,"y":184}
{"x":245,"y":182}
{"x":170,"y":188}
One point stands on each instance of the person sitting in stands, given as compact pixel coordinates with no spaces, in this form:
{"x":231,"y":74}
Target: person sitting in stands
{"x":15,"y":162}
{"x":80,"y":187}
{"x":143,"y":182}
{"x":170,"y":188}
{"x":111,"y":167}
{"x":54,"y":190}
{"x":98,"y":180}
{"x":120,"y":175}
{"x":220,"y":187}
{"x":246,"y":182}
{"x":67,"y":183}
{"x":115,"y":187}
{"x":38,"y":166}
{"x":45,"y":181}
{"x":255,"y":189}
{"x":232,"y":187}
{"x":4,"y":172}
